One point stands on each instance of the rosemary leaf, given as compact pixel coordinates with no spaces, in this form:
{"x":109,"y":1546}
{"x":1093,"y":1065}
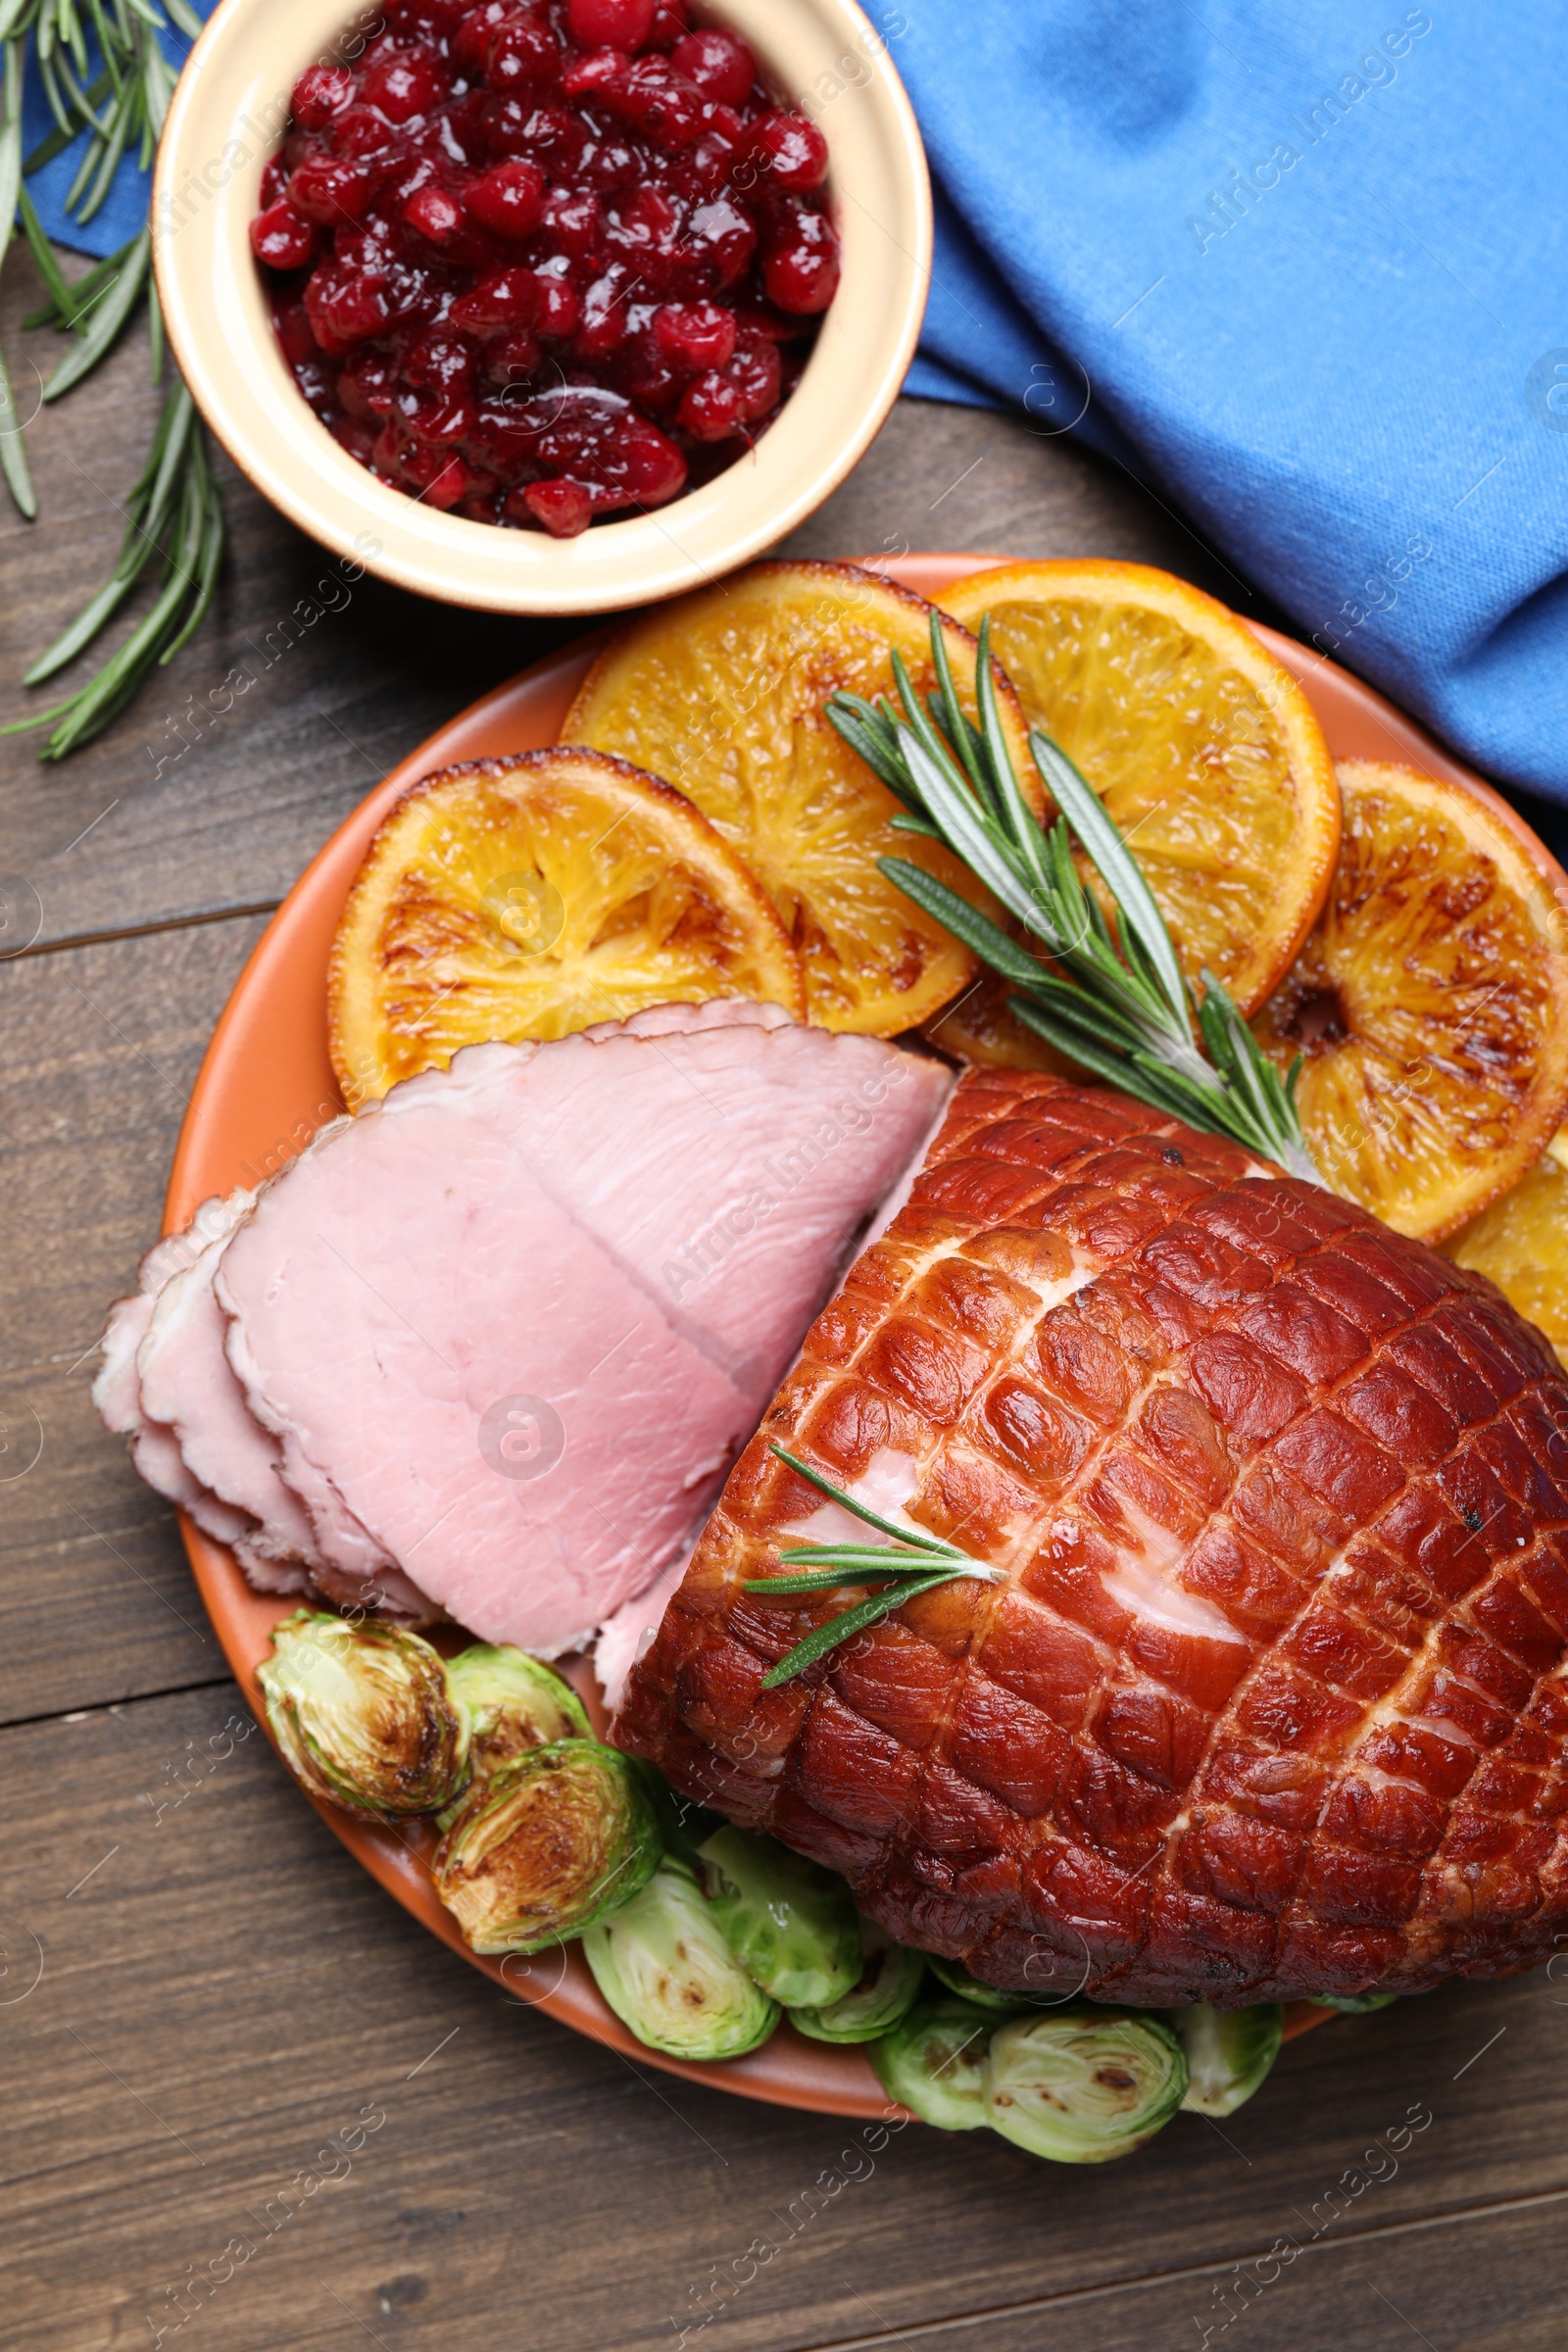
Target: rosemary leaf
{"x":107,"y":317}
{"x":825,"y":1637}
{"x":861,"y":1510}
{"x":1118,"y":1003}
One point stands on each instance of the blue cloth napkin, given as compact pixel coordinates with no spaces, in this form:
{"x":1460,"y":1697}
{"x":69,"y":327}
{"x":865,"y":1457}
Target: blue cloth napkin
{"x":1298,"y":265}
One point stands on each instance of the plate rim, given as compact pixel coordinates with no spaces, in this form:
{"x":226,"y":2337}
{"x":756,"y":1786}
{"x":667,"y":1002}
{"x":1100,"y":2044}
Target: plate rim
{"x":815,"y":2077}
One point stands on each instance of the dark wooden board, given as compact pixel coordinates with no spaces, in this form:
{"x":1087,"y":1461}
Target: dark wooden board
{"x":101,"y":1046}
{"x":225,"y":1990}
{"x":222,"y":1989}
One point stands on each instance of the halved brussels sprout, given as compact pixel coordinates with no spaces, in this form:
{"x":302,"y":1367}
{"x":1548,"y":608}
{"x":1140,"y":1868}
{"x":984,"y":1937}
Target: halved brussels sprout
{"x":1082,"y":2086}
{"x":363,"y":1714}
{"x":557,"y":1839}
{"x":890,"y":1980}
{"x":666,"y":1968}
{"x":1351,"y":2005}
{"x":958,"y":1980}
{"x":789,"y":1924}
{"x":933,"y":2062}
{"x":516,"y":1703}
{"x":1229,"y":2052}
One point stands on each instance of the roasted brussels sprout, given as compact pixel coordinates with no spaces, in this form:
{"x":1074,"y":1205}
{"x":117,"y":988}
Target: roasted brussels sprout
{"x":789,"y":1924}
{"x":1083,"y":2084}
{"x":666,"y":1968}
{"x":958,"y":1980}
{"x":890,"y":1980}
{"x":363,"y":1714}
{"x":933,"y":2062}
{"x":514,"y":1702}
{"x":557,"y":1839}
{"x":1352,"y":2004}
{"x":1229,"y":2052}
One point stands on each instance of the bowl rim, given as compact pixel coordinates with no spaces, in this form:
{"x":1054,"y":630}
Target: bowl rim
{"x":214,"y":307}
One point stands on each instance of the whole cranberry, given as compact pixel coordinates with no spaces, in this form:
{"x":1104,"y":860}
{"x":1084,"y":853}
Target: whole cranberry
{"x":563,"y":507}
{"x":503,"y":298}
{"x":716,"y":62}
{"x":436,"y":213}
{"x":281,"y":238}
{"x":507,"y":201}
{"x":602,"y":330}
{"x":720,"y":240}
{"x":403,"y":83}
{"x":573,"y":223}
{"x":669,"y":23}
{"x":359,"y":130}
{"x":345,"y":308}
{"x":431,"y":21}
{"x":552,"y":135}
{"x":610,"y":23}
{"x":447,"y":486}
{"x":650,"y":466}
{"x":320,"y":92}
{"x":711,"y":408}
{"x":756,"y":371}
{"x":800,"y":274}
{"x":468,"y":46}
{"x":657,"y":101}
{"x":326,"y":190}
{"x":296,"y":340}
{"x":559,"y":308}
{"x":366,"y":383}
{"x":594,"y":76}
{"x":790,"y":148}
{"x":511,"y":358}
{"x":520,"y":54}
{"x":695,"y":335}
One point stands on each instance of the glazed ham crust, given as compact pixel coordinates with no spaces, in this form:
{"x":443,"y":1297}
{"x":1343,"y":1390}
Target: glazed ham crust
{"x":1272,"y":1700}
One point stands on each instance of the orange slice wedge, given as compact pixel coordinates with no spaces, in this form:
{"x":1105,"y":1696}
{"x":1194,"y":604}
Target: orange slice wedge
{"x":1201,"y":746}
{"x":1431,"y":1002}
{"x":723,"y":694}
{"x":529,"y":897}
{"x":1521,"y":1242}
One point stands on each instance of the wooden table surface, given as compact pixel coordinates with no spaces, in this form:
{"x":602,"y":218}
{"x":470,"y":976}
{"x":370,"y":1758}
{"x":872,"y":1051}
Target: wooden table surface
{"x":199,"y":1988}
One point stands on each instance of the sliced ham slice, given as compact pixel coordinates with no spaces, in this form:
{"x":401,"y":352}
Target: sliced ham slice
{"x":116,"y":1390}
{"x":517,"y":1320}
{"x":188,"y":1383}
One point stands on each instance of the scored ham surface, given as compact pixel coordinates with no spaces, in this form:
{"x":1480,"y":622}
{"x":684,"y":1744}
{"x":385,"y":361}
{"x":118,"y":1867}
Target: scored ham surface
{"x":1272,"y":1700}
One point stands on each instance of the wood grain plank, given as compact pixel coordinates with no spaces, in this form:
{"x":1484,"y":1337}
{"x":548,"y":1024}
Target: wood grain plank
{"x":101,"y":1045}
{"x":223,"y":1990}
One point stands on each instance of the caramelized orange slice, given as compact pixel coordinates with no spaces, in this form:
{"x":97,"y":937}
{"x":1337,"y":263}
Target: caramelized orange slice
{"x":1201,"y":746}
{"x":1431,"y":1002}
{"x":1521,"y":1242}
{"x":529,"y":897}
{"x":723,"y":694}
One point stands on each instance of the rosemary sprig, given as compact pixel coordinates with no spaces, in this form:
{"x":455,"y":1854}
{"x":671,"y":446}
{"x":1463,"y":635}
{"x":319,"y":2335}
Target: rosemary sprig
{"x":1118,"y":1004}
{"x":913,"y":1563}
{"x":172,"y":513}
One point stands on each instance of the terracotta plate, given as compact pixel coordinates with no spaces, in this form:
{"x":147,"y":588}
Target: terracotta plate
{"x":266,"y":1085}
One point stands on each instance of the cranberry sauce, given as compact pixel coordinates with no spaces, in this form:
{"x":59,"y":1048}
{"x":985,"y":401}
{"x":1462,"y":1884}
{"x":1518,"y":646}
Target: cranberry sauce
{"x":545,"y":262}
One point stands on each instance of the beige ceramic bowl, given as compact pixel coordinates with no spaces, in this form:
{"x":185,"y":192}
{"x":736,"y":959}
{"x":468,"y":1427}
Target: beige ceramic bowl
{"x":226,"y":119}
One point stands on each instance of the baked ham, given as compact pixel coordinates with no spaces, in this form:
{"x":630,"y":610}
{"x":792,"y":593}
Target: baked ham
{"x":1270,"y":1701}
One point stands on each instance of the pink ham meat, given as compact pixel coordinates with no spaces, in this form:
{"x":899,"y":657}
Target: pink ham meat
{"x":117,"y":1391}
{"x":519,"y":1319}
